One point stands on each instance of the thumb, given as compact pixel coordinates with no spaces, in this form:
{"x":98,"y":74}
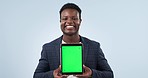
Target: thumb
{"x":59,"y":68}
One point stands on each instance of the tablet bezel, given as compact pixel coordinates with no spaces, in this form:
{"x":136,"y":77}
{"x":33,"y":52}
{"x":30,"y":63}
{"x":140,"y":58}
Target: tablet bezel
{"x":62,"y":62}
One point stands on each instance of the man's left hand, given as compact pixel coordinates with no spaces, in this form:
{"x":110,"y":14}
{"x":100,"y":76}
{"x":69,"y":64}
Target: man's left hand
{"x":86,"y":74}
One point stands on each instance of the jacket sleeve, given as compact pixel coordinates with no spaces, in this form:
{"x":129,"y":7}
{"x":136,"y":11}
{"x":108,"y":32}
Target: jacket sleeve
{"x":43,"y":68}
{"x":102,"y":74}
{"x":103,"y":69}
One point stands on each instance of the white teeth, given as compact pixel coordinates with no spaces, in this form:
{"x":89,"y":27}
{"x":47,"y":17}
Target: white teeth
{"x":69,"y":26}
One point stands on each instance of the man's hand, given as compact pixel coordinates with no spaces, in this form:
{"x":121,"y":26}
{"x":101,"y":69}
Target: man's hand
{"x":86,"y":74}
{"x":57,"y":74}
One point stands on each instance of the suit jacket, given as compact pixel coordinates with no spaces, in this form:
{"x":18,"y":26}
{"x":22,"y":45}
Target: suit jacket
{"x":93,"y":58}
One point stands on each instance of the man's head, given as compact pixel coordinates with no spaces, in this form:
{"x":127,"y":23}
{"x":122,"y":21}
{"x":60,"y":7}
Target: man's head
{"x":70,"y":19}
{"x":70,"y":6}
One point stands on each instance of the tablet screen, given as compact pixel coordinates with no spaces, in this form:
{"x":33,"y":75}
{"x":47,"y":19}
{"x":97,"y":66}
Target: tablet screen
{"x":71,"y":58}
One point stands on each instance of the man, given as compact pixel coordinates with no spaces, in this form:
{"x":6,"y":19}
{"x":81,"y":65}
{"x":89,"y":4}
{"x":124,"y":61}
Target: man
{"x":95,"y":64}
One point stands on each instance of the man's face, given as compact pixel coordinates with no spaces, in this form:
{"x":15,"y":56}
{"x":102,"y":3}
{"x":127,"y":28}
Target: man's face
{"x":70,"y":22}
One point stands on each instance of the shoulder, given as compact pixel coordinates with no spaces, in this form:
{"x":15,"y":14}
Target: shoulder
{"x":56,"y":41}
{"x":89,"y":41}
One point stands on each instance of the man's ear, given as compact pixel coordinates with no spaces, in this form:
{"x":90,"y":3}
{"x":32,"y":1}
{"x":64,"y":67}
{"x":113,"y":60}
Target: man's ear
{"x":80,"y":20}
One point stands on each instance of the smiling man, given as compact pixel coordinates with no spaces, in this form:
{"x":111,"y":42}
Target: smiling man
{"x":70,"y":20}
{"x":95,"y":63}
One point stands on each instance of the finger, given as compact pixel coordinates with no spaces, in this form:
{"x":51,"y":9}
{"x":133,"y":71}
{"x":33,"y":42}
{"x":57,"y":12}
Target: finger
{"x":59,"y":67}
{"x":87,"y":71}
{"x":57,"y":77}
{"x":64,"y":76}
{"x":84,"y":66}
{"x":56,"y":72}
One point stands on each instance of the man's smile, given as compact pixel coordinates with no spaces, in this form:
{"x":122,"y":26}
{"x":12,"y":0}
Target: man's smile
{"x":70,"y":27}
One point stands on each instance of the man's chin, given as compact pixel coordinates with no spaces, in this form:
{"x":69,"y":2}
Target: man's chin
{"x":70,"y":34}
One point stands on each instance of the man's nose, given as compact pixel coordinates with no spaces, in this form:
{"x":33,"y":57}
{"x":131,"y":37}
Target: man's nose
{"x":69,"y":21}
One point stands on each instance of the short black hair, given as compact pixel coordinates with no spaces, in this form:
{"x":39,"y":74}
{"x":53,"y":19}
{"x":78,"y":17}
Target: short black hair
{"x":70,"y":6}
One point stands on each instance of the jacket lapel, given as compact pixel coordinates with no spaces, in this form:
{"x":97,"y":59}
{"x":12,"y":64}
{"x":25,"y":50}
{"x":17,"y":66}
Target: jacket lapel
{"x":57,"y":48}
{"x":85,"y":49}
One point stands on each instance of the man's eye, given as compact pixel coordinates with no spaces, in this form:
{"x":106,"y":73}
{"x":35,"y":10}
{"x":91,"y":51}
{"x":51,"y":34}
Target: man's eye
{"x":75,"y":18}
{"x":63,"y":18}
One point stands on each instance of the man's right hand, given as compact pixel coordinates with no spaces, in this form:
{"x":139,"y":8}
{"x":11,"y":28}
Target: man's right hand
{"x":57,"y":74}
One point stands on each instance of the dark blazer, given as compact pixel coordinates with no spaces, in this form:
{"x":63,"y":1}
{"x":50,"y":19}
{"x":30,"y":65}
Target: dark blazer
{"x":93,"y":58}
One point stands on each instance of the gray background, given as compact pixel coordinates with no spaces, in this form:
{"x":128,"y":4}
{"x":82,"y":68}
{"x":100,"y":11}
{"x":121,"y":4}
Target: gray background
{"x":121,"y":26}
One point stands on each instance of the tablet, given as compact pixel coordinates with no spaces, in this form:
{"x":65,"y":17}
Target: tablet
{"x":71,"y":58}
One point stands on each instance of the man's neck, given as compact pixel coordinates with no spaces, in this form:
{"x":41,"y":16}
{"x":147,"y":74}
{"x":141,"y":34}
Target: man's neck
{"x":71,"y":39}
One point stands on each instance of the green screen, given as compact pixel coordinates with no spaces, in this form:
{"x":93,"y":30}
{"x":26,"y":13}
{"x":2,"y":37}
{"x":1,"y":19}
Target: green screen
{"x":71,"y":59}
